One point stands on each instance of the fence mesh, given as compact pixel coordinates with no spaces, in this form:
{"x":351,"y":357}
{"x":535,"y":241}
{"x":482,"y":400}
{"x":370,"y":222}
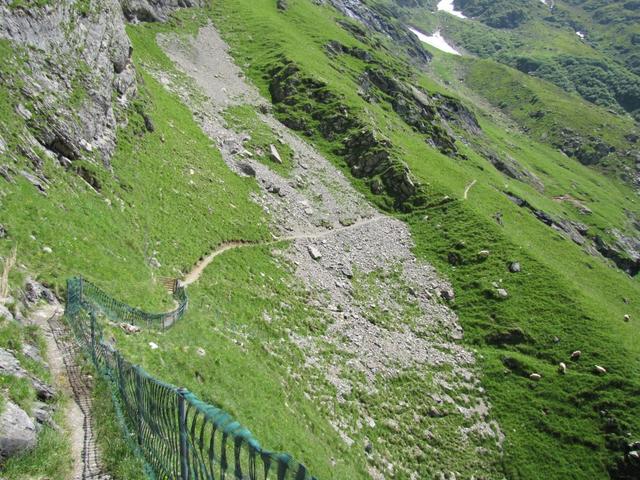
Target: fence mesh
{"x":178,"y":435}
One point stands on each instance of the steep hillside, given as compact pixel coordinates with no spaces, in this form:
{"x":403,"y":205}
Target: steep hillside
{"x":392,"y":254}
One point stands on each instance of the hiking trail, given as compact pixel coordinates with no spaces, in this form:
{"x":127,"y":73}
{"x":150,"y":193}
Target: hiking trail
{"x":62,"y":353}
{"x":199,"y":267}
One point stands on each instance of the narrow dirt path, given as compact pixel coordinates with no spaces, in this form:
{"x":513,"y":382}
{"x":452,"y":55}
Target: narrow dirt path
{"x":469,"y":187}
{"x":199,"y":267}
{"x":62,"y":351}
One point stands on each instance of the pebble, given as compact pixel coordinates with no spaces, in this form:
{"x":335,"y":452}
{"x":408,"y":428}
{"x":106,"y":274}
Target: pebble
{"x":314,"y":252}
{"x":502,"y":293}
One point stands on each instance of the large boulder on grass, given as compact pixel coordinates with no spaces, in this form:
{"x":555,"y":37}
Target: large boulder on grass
{"x":17,"y":431}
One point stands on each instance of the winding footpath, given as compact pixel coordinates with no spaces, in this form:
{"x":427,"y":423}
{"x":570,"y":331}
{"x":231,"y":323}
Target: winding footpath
{"x":195,"y":274}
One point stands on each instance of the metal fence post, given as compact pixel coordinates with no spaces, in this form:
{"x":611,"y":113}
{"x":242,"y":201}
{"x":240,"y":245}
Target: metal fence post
{"x":139,"y":405}
{"x":93,"y":339}
{"x":182,"y":422}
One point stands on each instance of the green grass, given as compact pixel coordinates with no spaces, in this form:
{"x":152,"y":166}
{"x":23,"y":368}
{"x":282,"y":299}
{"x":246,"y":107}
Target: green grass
{"x":252,"y":368}
{"x":118,"y":456}
{"x":249,"y":365}
{"x":556,"y":430}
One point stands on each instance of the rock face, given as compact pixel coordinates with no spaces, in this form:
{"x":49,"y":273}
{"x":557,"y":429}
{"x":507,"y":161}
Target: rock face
{"x":35,"y":291}
{"x":70,"y":73}
{"x":9,"y":365}
{"x":75,"y":60}
{"x":382,"y":22}
{"x":17,"y":431}
{"x":155,"y":10}
{"x":369,"y":154}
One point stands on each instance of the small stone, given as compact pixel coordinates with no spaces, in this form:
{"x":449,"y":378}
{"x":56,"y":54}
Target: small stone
{"x":447,"y":294}
{"x":515,"y":267}
{"x":576,"y":355}
{"x":635,"y":454}
{"x":368,"y":446}
{"x":434,"y":412}
{"x":247,"y":169}
{"x":562,"y":368}
{"x":129,"y":329}
{"x":5,"y":313}
{"x":600,"y":370}
{"x":3,"y":231}
{"x":32,"y":352}
{"x":154,"y":346}
{"x":23,"y":112}
{"x":273,"y":153}
{"x":153,"y":262}
{"x":201,"y":352}
{"x":484,"y":253}
{"x":314,"y":252}
{"x":535,"y":377}
{"x":47,"y":249}
{"x":502,"y":293}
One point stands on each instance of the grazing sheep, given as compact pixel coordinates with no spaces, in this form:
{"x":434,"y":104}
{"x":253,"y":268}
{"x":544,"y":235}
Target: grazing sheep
{"x":627,"y":318}
{"x":535,"y":376}
{"x":600,"y":370}
{"x":576,"y":355}
{"x":562,"y":368}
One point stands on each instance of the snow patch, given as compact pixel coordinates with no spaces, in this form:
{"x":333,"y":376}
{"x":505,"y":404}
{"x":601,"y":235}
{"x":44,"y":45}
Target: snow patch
{"x":436,"y":40}
{"x":581,"y":35}
{"x":447,"y":6}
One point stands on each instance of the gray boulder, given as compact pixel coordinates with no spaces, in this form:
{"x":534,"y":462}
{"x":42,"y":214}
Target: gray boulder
{"x":35,"y":291}
{"x":155,"y":10}
{"x":10,"y":365}
{"x":32,"y":352}
{"x":17,"y":431}
{"x":5,"y":314}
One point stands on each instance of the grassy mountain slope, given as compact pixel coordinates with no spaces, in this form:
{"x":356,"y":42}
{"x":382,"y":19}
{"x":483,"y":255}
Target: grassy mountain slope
{"x":151,"y":206}
{"x":583,"y":296}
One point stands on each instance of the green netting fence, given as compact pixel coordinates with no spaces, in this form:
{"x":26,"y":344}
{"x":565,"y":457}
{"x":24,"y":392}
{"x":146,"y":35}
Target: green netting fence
{"x":178,"y":435}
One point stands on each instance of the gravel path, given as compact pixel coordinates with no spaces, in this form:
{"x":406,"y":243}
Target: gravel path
{"x":61,"y":355}
{"x":340,"y":246}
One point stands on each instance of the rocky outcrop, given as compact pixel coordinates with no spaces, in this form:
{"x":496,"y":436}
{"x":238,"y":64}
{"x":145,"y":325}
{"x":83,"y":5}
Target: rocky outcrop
{"x":71,"y":61}
{"x":587,"y":150}
{"x":306,"y":104}
{"x":382,"y":21}
{"x":18,"y":432}
{"x":9,"y":365}
{"x":433,"y":115}
{"x":622,"y":250}
{"x":155,"y":10}
{"x":68,"y":70}
{"x":510,"y":167}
